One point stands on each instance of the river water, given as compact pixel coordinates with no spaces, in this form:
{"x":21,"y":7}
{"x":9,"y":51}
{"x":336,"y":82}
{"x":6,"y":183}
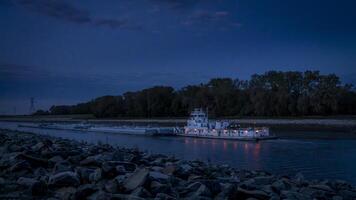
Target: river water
{"x":314,"y":158}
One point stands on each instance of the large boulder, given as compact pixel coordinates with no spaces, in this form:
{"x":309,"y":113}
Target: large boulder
{"x":2,"y":181}
{"x":84,"y":191}
{"x":111,"y":169}
{"x":39,"y":188}
{"x":27,"y":182}
{"x":96,"y":160}
{"x":154,"y":175}
{"x":40,"y":172}
{"x":136,"y":179}
{"x":227,"y":190}
{"x":63,"y":179}
{"x":65,"y":193}
{"x":141,"y":192}
{"x":156,"y":187}
{"x":263,"y":180}
{"x":162,"y":196}
{"x":35,"y":161}
{"x":183,"y":171}
{"x":84,"y":174}
{"x":280,"y":185}
{"x":111,"y":186}
{"x":213,"y":185}
{"x":348,"y":194}
{"x":245,"y":194}
{"x":56,"y":159}
{"x":62,"y":167}
{"x":21,"y":166}
{"x":325,"y":188}
{"x":95,"y":176}
{"x":196,"y":190}
{"x":169,"y":169}
{"x":289,"y":194}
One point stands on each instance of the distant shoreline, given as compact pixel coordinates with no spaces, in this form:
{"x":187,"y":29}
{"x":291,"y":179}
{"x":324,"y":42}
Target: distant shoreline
{"x":335,"y":124}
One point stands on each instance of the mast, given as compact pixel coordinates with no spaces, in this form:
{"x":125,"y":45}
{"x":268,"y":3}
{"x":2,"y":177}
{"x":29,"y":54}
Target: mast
{"x":207,"y":116}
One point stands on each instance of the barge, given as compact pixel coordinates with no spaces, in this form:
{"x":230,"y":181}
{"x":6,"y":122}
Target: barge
{"x":150,"y":131}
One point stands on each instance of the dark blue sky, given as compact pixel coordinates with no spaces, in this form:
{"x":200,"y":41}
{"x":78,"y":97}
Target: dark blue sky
{"x":62,"y":51}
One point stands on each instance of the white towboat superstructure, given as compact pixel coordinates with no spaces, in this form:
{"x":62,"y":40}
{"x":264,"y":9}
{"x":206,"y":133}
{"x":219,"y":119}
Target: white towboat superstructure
{"x":198,"y":125}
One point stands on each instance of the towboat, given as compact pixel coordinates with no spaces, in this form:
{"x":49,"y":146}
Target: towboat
{"x":198,"y":125}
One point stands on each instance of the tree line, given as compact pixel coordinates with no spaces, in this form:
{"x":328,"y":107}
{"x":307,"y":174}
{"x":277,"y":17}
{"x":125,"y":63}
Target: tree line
{"x":273,"y":93}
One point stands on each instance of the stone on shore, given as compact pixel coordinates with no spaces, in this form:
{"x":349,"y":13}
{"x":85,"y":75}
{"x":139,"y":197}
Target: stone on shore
{"x":136,"y":179}
{"x":84,"y":191}
{"x":63,"y":179}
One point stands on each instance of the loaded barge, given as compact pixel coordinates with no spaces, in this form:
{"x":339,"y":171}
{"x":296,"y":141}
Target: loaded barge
{"x":198,"y":125}
{"x":149,"y":131}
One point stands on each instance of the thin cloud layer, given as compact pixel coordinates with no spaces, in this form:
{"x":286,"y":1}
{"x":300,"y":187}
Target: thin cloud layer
{"x":183,"y":4}
{"x":57,"y":9}
{"x":191,"y":13}
{"x":67,"y":12}
{"x":219,"y":18}
{"x":198,"y":13}
{"x":176,"y":4}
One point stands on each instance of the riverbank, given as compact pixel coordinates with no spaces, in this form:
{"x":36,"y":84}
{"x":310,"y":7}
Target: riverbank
{"x":34,"y":166}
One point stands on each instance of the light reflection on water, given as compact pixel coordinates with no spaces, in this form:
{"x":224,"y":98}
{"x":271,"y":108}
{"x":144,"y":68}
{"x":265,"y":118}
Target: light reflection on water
{"x":332,"y":159}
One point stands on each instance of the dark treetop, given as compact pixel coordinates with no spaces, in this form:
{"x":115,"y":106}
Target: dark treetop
{"x":271,"y":94}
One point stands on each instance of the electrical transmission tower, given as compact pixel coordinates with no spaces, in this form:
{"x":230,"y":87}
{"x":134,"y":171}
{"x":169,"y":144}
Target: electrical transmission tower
{"x":32,"y":105}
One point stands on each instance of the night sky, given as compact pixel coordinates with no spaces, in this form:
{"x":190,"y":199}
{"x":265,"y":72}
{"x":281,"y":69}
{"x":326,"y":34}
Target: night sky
{"x":66,"y":51}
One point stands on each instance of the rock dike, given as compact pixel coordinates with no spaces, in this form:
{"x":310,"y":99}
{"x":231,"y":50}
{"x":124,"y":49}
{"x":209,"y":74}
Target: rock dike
{"x":43,"y":167}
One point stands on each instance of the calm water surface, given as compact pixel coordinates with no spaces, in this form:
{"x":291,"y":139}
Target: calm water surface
{"x":315,"y":158}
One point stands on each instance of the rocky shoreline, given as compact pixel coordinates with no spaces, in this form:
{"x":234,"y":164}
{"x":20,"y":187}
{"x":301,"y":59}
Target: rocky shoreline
{"x":44,"y":167}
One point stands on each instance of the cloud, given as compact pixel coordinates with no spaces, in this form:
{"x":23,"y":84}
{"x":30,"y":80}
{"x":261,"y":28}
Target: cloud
{"x":185,"y":14}
{"x":176,"y":4}
{"x":115,"y":24}
{"x":57,"y":9}
{"x":64,"y":11}
{"x":14,"y":72}
{"x":202,"y":13}
{"x":207,"y":17}
{"x":183,"y":4}
{"x":215,"y":18}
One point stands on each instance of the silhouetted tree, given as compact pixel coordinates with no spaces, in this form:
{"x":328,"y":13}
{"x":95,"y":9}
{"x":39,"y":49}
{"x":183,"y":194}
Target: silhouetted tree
{"x":273,"y":93}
